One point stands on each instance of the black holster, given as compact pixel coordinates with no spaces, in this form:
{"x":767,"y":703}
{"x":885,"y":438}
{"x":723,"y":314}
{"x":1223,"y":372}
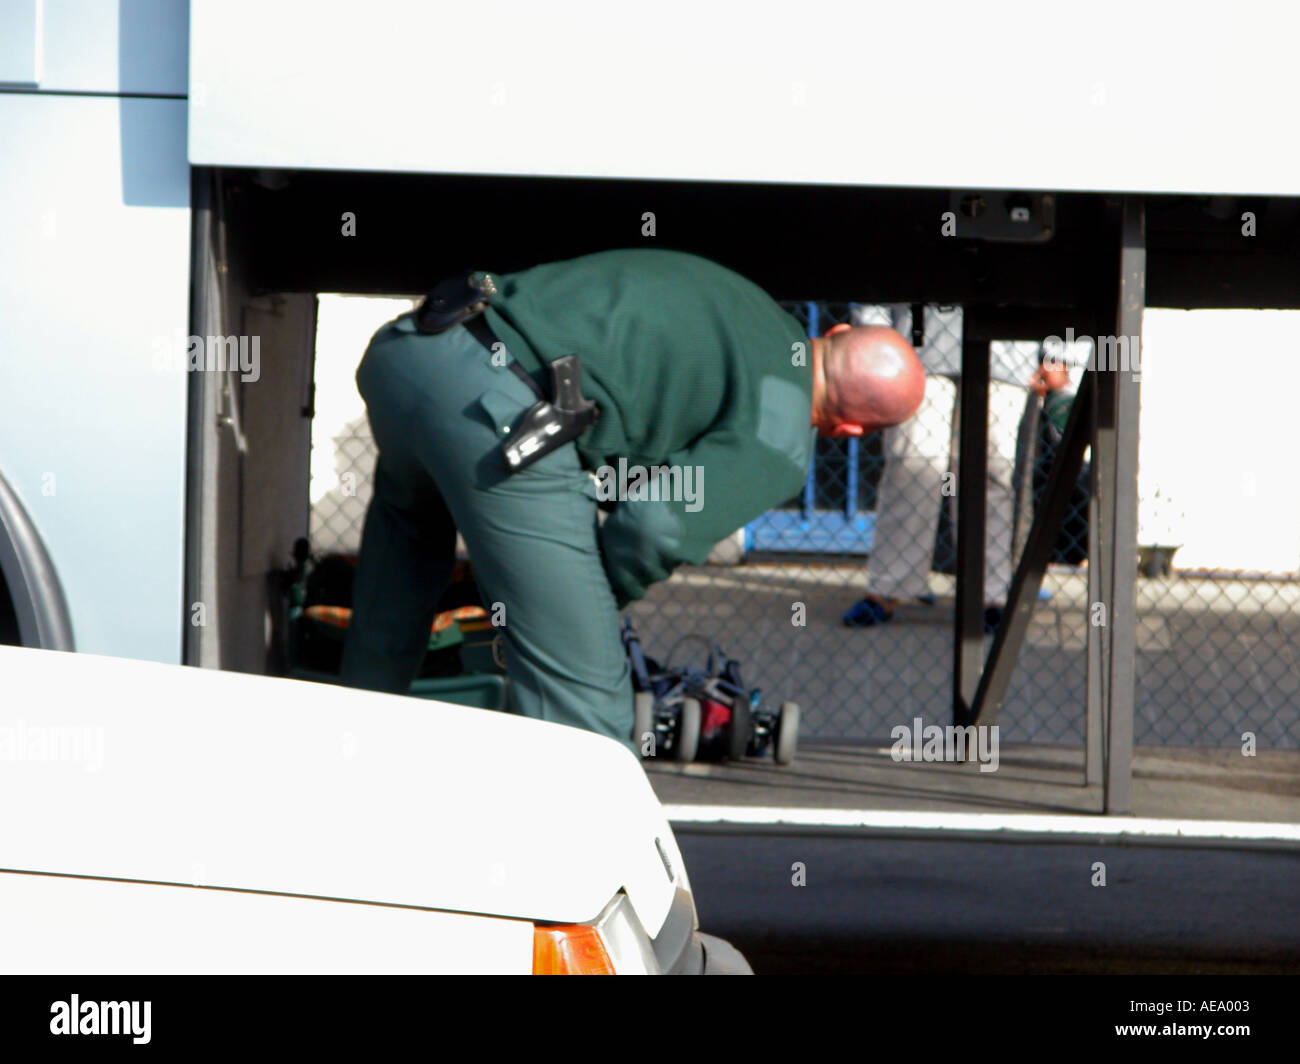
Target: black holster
{"x":556,"y":418}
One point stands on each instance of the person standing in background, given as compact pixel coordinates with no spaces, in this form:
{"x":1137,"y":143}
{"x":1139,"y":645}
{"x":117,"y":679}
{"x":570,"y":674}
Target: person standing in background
{"x":919,"y":454}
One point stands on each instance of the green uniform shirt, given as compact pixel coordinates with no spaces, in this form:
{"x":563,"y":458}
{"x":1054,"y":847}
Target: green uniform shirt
{"x":694,"y":368}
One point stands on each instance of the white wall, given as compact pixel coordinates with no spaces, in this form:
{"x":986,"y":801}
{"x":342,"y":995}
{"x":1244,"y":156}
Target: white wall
{"x":344,"y":327}
{"x":1220,"y":414}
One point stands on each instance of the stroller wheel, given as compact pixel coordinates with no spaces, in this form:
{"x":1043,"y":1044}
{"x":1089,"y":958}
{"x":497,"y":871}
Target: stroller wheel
{"x":741,"y":728}
{"x":643,"y":721}
{"x":688,"y":730}
{"x":786,"y":733}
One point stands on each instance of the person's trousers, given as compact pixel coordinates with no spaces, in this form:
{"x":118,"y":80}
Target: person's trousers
{"x":439,"y":409}
{"x":918,"y":454}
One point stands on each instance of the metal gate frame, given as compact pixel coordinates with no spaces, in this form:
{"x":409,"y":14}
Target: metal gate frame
{"x":1105,"y":415}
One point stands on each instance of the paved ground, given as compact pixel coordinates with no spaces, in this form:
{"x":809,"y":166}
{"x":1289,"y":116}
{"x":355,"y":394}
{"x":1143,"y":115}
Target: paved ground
{"x":1216,"y":657}
{"x":891,"y":906}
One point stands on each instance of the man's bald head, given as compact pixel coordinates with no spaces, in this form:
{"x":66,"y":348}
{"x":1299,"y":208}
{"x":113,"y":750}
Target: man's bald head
{"x":866,"y":378}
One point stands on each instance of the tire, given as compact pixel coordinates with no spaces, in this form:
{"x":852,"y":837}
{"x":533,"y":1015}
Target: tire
{"x":741,"y":728}
{"x":688,"y":730}
{"x":787,"y":733}
{"x":643,"y":720}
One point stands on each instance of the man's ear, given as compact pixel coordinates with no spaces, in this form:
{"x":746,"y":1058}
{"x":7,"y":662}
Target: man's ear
{"x":841,"y":327}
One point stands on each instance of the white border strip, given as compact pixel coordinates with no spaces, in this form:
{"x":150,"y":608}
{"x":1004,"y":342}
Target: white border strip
{"x":1015,"y":823}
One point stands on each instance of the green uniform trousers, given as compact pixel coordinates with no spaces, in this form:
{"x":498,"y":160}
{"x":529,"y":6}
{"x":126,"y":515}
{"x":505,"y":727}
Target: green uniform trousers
{"x":439,"y":409}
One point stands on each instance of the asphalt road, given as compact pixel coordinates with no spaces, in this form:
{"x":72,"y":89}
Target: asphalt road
{"x":894,"y":906}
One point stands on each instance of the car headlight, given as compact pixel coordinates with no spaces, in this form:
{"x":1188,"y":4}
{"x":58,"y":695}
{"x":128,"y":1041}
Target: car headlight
{"x":614,"y":943}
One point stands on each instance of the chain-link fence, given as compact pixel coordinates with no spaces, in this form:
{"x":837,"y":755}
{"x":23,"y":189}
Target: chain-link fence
{"x":1215,"y":650}
{"x":338,"y":514}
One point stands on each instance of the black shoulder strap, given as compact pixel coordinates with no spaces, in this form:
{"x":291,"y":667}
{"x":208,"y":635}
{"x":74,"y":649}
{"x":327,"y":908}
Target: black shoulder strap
{"x":478,"y":328}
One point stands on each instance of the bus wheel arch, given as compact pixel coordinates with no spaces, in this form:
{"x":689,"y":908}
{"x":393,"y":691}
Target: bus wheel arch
{"x":32,"y":604}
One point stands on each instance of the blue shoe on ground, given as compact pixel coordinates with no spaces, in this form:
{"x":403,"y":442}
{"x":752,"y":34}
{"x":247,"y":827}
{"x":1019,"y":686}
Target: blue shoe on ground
{"x":867,"y":612}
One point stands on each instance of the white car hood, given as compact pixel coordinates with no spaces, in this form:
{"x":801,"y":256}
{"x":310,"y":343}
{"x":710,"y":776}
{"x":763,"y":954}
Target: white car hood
{"x":135,"y":770}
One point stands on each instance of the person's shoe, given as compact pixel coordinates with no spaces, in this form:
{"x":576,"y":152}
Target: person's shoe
{"x":870,"y":610}
{"x":992,"y":618}
{"x":927,"y":599}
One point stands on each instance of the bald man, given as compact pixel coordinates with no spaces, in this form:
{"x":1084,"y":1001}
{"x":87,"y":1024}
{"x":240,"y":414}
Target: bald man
{"x":699,"y":399}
